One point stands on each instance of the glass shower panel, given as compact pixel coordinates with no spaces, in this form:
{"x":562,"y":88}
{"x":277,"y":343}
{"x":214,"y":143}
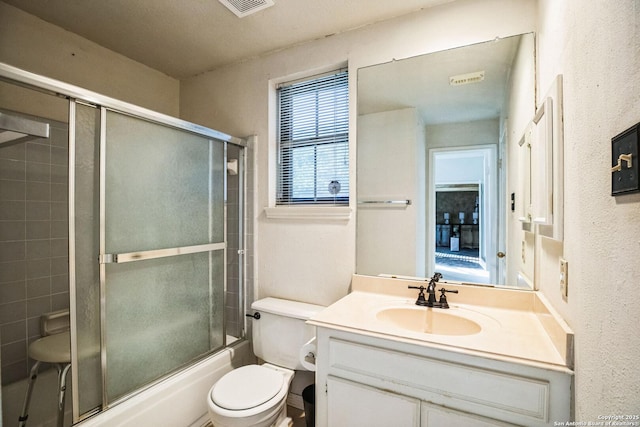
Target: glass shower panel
{"x":85,"y":269}
{"x":164,"y":232}
{"x":161,"y":190}
{"x":158,"y":318}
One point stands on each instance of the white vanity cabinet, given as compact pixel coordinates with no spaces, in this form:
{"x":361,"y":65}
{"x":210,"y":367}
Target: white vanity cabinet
{"x":355,"y":404}
{"x":369,"y":380}
{"x":437,"y":416}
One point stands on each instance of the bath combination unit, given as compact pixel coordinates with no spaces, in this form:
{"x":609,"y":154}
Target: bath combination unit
{"x":256,"y":395}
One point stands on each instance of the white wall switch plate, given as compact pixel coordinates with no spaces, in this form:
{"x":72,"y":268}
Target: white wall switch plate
{"x":564,"y":279}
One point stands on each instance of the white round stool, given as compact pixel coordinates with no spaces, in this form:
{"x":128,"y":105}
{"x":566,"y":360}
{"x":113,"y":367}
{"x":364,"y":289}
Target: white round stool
{"x":54,"y":349}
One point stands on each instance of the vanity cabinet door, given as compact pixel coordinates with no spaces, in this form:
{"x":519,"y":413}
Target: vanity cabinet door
{"x":353,"y":404}
{"x":438,"y":416}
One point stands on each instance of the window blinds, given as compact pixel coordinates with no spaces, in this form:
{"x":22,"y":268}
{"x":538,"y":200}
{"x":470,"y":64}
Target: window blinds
{"x":313,"y":141}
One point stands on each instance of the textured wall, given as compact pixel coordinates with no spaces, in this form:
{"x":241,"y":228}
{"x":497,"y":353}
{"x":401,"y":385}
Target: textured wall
{"x":34,"y":45}
{"x":596,"y":46}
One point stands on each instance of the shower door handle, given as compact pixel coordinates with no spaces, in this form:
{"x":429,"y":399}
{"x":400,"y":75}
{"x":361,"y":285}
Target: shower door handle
{"x":159,"y":253}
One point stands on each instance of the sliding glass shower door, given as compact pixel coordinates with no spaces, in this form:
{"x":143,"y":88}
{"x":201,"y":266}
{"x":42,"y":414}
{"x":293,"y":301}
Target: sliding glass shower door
{"x":162,"y":246}
{"x":155,"y":195}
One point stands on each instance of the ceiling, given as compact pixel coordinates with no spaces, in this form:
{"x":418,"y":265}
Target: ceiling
{"x":423,"y":82}
{"x":188,"y":37}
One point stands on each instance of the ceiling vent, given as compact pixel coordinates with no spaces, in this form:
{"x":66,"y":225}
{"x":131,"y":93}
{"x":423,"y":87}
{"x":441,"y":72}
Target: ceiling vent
{"x":242,"y":8}
{"x":465,"y":79}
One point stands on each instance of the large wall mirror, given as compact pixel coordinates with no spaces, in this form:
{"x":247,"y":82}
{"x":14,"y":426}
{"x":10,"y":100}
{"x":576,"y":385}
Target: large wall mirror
{"x":438,"y":164}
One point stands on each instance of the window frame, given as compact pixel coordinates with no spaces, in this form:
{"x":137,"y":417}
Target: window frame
{"x":287,"y":143}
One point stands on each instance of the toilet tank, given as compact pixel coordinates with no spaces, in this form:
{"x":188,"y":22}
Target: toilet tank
{"x":281,"y":331}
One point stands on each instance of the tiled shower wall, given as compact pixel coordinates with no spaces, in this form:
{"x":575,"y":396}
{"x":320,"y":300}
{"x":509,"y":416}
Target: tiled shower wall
{"x":34,"y":273}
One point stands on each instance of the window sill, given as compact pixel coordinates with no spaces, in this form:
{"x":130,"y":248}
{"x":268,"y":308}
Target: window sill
{"x":324,"y":213}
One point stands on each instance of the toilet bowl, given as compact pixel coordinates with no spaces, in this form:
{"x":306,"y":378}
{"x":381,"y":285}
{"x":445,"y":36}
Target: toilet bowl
{"x":256,"y":395}
{"x":253,"y":395}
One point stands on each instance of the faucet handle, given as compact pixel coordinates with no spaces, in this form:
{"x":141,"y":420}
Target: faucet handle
{"x":443,"y":299}
{"x":421,"y":299}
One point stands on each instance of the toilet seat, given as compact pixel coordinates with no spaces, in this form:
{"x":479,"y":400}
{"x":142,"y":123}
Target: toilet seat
{"x":247,"y":387}
{"x":262,"y":415}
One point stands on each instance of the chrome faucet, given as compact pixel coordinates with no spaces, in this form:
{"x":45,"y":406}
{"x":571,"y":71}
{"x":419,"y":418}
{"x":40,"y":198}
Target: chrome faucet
{"x":430,"y":301}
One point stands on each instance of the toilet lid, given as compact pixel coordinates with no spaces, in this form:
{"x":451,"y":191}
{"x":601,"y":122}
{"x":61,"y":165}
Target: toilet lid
{"x":246,"y":387}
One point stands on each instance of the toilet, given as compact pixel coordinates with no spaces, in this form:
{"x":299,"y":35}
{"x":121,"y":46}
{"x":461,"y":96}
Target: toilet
{"x":256,"y":395}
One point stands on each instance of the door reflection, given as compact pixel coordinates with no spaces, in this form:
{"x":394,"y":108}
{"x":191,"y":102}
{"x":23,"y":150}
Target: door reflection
{"x":459,"y":246}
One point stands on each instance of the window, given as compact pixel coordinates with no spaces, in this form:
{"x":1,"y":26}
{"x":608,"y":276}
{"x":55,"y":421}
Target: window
{"x":313,"y":141}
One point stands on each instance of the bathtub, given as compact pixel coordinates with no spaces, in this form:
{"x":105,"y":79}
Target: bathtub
{"x":180,"y":401}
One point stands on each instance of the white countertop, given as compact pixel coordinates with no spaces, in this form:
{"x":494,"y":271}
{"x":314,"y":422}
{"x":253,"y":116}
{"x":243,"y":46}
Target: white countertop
{"x":529,"y":332}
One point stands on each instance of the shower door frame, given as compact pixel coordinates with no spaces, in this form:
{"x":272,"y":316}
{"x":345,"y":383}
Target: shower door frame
{"x":146,"y":255}
{"x":74,"y":95}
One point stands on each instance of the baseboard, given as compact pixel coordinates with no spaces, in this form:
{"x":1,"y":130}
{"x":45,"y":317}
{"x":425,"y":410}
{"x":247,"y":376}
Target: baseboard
{"x":203,"y":421}
{"x":295,"y":400}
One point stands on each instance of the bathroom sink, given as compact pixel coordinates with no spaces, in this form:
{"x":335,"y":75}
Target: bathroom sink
{"x":428,"y":320}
